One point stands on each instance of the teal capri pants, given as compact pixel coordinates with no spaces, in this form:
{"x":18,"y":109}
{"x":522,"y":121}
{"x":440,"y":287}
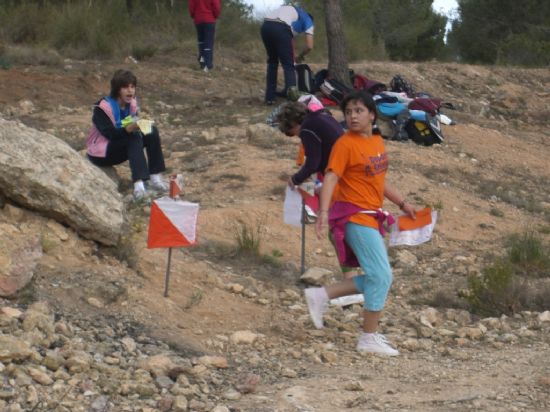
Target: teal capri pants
{"x":368,"y":245}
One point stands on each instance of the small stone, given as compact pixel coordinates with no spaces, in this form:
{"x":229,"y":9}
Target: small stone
{"x":100,"y":404}
{"x":12,"y":348}
{"x":165,"y":403}
{"x":430,"y":317}
{"x":471,"y":333}
{"x":316,"y":276}
{"x":329,"y":357}
{"x":405,"y":259}
{"x":492,"y":323}
{"x":410,"y":344}
{"x":129,"y":344}
{"x":40,"y":376}
{"x":214,"y":361}
{"x":354,"y":386}
{"x":289,"y":373}
{"x":544,"y":316}
{"x":544,"y":381}
{"x":95,"y":302}
{"x":235,"y":287}
{"x":232,"y":395}
{"x":63,"y":329}
{"x":78,"y":362}
{"x":221,"y":408}
{"x":243,"y":337}
{"x":53,"y":360}
{"x":32,"y":395}
{"x":248,"y":383}
{"x":11,"y":312}
{"x":164,"y":382}
{"x":110,"y":360}
{"x":157,"y":365}
{"x":196,"y":405}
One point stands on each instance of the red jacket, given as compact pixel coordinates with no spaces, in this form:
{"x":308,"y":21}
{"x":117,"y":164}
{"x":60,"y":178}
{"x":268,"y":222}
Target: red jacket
{"x":204,"y":11}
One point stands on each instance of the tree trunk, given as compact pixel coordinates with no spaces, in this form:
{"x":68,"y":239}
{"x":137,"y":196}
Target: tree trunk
{"x":337,"y":57}
{"x":130,"y":6}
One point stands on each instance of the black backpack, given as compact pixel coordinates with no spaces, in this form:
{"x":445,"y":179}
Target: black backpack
{"x":335,"y":90}
{"x":425,"y":133}
{"x":400,"y":85}
{"x":304,"y":77}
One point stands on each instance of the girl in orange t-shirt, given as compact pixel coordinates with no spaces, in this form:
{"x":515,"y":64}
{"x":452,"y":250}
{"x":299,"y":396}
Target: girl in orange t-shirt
{"x":357,"y":168}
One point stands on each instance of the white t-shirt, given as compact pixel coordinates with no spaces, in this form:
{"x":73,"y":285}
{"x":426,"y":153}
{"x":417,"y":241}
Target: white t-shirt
{"x":295,"y":17}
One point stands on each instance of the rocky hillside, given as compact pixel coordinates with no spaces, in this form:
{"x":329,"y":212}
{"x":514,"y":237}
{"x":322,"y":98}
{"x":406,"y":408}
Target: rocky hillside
{"x":92,"y":332}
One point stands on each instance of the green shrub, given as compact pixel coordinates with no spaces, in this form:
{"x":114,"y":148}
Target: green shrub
{"x":529,"y":254}
{"x":26,"y":23}
{"x":143,"y":51}
{"x":33,"y":56}
{"x":248,"y":236}
{"x":517,"y":281}
{"x":495,"y":292}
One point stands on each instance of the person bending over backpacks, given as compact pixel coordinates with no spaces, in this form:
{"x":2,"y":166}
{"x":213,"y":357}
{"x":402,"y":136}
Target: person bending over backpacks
{"x":115,"y":136}
{"x":278,"y":31}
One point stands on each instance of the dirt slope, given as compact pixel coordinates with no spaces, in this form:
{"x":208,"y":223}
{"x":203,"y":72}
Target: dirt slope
{"x":490,"y":178}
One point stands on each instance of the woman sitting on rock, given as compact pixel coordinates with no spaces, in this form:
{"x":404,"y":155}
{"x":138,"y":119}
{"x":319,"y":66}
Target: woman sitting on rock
{"x":116,"y":137}
{"x":357,"y":170}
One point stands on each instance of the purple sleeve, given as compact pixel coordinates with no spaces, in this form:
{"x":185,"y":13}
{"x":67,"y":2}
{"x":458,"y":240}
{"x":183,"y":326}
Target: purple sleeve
{"x":312,"y":150}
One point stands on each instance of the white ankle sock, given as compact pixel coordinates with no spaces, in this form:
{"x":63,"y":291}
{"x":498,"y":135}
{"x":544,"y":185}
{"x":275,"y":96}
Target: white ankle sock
{"x":139,"y":186}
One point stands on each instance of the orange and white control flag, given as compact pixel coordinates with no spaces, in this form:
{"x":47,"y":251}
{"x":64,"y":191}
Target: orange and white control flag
{"x":172,"y":223}
{"x":176,"y":185}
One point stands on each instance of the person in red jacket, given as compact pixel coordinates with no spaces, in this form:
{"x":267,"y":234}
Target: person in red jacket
{"x":204,"y":14}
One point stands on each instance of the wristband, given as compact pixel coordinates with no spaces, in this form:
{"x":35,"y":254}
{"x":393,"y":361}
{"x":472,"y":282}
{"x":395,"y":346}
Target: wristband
{"x":401,"y":205}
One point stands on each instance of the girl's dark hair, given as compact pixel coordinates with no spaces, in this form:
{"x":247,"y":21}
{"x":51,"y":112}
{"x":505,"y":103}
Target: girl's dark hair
{"x":359,"y":96}
{"x":290,"y":115}
{"x":121,"y":78}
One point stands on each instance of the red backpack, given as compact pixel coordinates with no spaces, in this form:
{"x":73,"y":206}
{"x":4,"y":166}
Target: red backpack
{"x":361,"y":82}
{"x":429,"y":105}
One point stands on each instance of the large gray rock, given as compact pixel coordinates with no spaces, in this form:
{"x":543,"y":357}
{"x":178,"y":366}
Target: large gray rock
{"x":43,"y":173}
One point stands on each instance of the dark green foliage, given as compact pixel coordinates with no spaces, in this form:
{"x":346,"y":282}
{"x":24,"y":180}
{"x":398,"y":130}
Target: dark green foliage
{"x":411,"y":30}
{"x":104,"y":28}
{"x":502,"y":32}
{"x":402,"y":29}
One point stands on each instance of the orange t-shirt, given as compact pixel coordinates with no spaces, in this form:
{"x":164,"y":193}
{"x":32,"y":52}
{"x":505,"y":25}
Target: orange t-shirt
{"x":360,"y":163}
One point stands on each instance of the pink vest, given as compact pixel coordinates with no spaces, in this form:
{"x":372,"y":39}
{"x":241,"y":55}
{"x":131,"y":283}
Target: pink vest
{"x":96,"y":143}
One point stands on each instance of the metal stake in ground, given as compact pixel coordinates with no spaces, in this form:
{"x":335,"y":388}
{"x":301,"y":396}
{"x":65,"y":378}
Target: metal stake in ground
{"x":303,"y":220}
{"x":167,"y":276}
{"x":174,"y":192}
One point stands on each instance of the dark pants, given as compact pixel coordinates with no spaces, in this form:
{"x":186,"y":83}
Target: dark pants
{"x":278,"y":42}
{"x":131,"y":149}
{"x":205,"y":37}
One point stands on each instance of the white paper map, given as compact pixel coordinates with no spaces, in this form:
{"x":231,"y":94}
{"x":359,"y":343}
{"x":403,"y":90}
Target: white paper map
{"x":292,"y":209}
{"x":412,"y":237}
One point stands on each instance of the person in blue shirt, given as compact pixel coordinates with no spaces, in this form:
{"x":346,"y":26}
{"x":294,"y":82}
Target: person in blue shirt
{"x":278,"y":30}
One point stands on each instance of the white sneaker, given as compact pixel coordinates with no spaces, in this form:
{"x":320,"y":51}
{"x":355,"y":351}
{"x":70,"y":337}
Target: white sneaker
{"x":159,"y":185}
{"x":375,"y":343}
{"x":317,"y":304}
{"x":140,"y":194}
{"x":348,"y":300}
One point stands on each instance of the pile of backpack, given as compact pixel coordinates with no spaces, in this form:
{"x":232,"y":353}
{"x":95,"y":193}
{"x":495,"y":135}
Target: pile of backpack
{"x":402,"y":113}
